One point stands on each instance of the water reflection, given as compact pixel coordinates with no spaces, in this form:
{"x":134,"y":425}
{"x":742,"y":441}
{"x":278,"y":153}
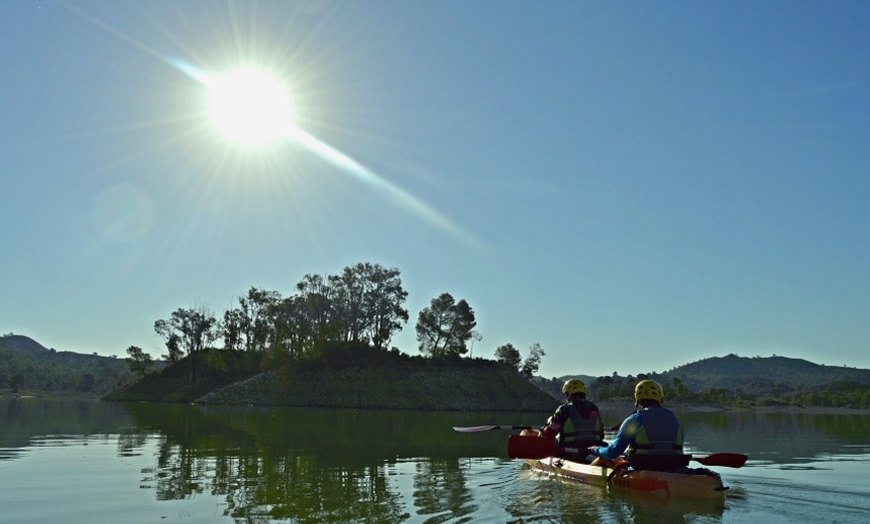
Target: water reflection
{"x":320,"y":465}
{"x":24,"y":422}
{"x":777,"y":438}
{"x":310,"y":465}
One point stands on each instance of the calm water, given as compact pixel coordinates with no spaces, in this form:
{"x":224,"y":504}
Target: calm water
{"x":95,"y":462}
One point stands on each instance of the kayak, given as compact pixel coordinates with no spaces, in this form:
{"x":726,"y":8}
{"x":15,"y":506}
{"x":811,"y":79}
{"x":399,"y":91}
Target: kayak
{"x":687,"y":483}
{"x":694,"y":483}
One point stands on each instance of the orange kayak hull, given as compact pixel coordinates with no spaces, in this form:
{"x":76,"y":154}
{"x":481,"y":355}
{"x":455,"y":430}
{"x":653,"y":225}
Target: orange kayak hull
{"x":697,"y":484}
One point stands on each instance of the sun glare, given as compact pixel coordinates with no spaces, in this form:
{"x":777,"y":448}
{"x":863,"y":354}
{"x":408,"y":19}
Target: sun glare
{"x":250,"y":107}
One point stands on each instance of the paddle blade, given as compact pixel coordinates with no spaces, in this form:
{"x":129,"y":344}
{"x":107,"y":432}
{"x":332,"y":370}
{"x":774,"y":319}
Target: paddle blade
{"x":478,"y":429}
{"x":474,"y":429}
{"x":530,"y":447}
{"x":728,"y":460}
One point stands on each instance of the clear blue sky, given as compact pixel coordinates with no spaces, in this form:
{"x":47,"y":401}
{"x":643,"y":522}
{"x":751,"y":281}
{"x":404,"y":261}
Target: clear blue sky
{"x":632,"y":185}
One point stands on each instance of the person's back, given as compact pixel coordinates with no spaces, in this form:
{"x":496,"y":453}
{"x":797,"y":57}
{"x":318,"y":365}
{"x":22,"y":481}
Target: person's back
{"x":652,"y":436}
{"x":576,"y":423}
{"x":583,"y":426}
{"x":658,"y":443}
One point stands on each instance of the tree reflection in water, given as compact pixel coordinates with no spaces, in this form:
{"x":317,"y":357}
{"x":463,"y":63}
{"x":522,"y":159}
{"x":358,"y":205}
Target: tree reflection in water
{"x":254,"y":464}
{"x":311,"y":464}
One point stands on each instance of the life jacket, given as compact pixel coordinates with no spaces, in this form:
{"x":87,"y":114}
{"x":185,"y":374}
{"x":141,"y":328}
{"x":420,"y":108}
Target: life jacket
{"x":660,"y":433}
{"x":658,"y":443}
{"x":579,"y":431}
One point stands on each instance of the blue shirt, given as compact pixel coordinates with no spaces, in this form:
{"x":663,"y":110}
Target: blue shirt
{"x":624,"y":437}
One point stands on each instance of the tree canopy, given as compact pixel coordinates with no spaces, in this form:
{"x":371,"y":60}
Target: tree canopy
{"x":363,"y":304}
{"x":140,"y":362}
{"x":445,"y":327}
{"x":509,"y":355}
{"x":533,"y":361}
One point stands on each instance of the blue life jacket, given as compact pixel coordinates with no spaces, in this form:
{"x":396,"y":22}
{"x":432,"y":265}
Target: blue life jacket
{"x":660,"y":433}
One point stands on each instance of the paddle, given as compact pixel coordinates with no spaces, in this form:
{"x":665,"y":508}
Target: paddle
{"x":532,"y":447}
{"x":728,"y":460}
{"x":520,"y":446}
{"x":478,"y":429}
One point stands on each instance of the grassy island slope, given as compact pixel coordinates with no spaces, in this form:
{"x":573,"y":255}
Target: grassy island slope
{"x":358,"y":377}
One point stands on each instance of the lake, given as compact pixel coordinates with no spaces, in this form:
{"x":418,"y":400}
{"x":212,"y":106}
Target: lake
{"x":94,"y":462}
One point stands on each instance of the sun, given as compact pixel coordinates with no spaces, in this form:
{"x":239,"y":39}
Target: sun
{"x":250,"y":107}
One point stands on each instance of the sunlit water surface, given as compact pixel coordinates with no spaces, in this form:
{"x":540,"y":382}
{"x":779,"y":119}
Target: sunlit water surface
{"x":94,"y":462}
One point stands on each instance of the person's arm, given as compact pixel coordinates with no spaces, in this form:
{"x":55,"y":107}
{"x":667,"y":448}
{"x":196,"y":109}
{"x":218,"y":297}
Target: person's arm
{"x":555,"y":423}
{"x":624,"y":437}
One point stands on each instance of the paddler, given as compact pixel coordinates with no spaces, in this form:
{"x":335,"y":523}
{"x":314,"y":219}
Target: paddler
{"x":576,"y":423}
{"x":652,"y":435}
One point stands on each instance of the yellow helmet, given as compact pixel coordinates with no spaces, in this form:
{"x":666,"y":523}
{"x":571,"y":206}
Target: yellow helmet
{"x":648,"y":390}
{"x":573,"y":386}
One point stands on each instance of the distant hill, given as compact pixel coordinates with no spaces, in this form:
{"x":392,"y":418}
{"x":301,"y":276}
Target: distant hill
{"x":763,"y":375}
{"x":24,"y":345}
{"x":27,"y":366}
{"x":553,"y":386}
{"x":735,"y":380}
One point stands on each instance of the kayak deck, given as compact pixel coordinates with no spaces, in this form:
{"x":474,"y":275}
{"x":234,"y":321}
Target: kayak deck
{"x":694,"y":484}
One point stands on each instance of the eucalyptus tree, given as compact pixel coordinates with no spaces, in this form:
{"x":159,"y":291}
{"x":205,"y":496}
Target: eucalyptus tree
{"x":348,"y":294}
{"x":385,"y":305}
{"x":188,"y":330}
{"x":367,"y":301}
{"x":292,"y":329}
{"x":445,"y":326}
{"x":140,"y":362}
{"x":315,"y":313}
{"x":173,"y":345}
{"x":231,"y":329}
{"x":257,"y":318}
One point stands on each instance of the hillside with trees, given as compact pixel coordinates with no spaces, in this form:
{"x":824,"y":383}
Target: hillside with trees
{"x":344,"y":375}
{"x":277,"y":342}
{"x":744,"y":382}
{"x":363,"y":306}
{"x":28,"y":367}
{"x":764,"y":374}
